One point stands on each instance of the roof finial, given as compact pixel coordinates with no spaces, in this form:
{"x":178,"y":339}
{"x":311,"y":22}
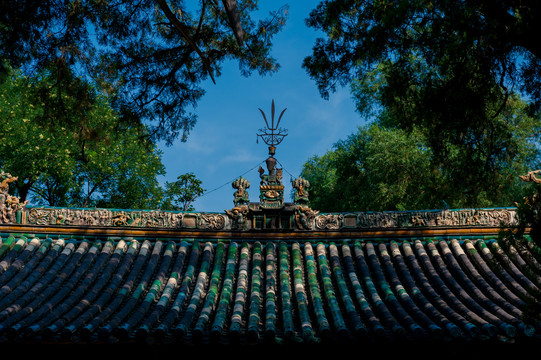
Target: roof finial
{"x":273,"y":134}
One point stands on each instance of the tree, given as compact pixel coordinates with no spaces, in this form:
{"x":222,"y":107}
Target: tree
{"x":180,"y":194}
{"x":28,"y":150}
{"x":387,"y":168}
{"x":150,"y":57}
{"x":90,"y":161}
{"x":471,"y":43}
{"x":122,"y":172}
{"x":374,"y":169}
{"x":457,"y":72}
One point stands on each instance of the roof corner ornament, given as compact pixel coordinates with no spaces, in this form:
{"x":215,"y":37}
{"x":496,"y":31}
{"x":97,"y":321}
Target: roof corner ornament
{"x":10,"y":206}
{"x":530,"y":177}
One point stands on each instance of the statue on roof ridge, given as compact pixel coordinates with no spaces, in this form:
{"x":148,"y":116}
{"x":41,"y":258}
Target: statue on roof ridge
{"x":271,"y":188}
{"x":7,"y":178}
{"x":241,"y":195}
{"x":301,"y":193}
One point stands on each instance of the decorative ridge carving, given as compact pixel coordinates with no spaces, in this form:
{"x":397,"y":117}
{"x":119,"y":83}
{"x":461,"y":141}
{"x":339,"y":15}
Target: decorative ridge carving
{"x":294,"y":217}
{"x":305,"y":217}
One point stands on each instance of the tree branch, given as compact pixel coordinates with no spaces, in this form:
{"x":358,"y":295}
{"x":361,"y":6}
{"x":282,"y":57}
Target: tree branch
{"x":184,"y":32}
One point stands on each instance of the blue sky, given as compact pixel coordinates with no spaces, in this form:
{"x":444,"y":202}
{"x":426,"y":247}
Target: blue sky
{"x":222,"y":146}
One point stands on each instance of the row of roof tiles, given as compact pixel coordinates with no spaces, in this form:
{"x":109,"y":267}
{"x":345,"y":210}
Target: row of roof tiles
{"x":253,"y":292}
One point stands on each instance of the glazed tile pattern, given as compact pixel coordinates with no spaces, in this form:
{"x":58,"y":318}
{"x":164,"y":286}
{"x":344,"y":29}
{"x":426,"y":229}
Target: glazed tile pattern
{"x":195,"y":291}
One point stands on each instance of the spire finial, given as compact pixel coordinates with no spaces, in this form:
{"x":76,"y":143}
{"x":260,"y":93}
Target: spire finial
{"x":273,"y":134}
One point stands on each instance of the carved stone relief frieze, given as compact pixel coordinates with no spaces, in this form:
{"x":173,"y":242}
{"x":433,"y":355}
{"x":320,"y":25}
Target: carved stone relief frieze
{"x":305,"y":217}
{"x":102,"y":217}
{"x":210,"y":221}
{"x":464,"y":217}
{"x":329,"y":221}
{"x":240,"y":217}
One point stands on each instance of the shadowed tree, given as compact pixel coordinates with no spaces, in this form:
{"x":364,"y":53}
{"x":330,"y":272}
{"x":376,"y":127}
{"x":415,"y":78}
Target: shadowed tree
{"x":463,"y":74}
{"x":150,"y":57}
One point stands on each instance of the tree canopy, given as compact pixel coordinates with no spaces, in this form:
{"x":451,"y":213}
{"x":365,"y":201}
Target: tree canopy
{"x":89,"y":160}
{"x":462,"y":76}
{"x":382,"y":168}
{"x":180,"y":194}
{"x":449,"y":67}
{"x":481,"y":43}
{"x":150,"y":57}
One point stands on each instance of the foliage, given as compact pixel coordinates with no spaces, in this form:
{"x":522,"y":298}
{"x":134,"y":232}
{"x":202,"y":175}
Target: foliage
{"x":384,"y":168}
{"x":24,"y":140}
{"x":469,"y":45}
{"x":88,"y":160}
{"x":149,"y":57}
{"x":374,"y":169}
{"x":122,"y":173}
{"x":180,"y":194}
{"x":451,"y":77}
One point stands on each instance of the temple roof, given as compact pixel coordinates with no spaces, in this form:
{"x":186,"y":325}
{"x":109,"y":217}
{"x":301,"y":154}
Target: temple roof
{"x":262,"y":273}
{"x":60,"y":289}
